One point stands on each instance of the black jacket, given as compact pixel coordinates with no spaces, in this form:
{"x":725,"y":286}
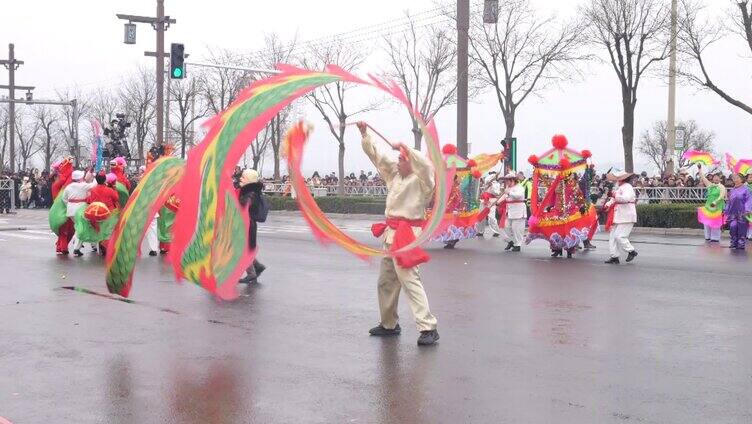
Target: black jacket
{"x":250,"y":195}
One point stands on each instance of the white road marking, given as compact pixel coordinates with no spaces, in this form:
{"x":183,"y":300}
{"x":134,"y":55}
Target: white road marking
{"x":23,"y":236}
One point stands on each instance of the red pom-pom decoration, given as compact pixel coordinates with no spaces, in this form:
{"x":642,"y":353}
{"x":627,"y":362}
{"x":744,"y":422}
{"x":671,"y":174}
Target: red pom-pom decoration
{"x":449,"y":149}
{"x":564,"y":163}
{"x":586,"y":154}
{"x":533,"y":160}
{"x":476,"y":174}
{"x":471,"y":163}
{"x":559,"y":141}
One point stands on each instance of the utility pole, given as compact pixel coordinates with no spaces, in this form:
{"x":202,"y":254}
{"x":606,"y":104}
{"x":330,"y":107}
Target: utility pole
{"x":11,"y":64}
{"x":463,"y":27}
{"x":72,"y":103}
{"x":160,"y":23}
{"x":671,"y":120}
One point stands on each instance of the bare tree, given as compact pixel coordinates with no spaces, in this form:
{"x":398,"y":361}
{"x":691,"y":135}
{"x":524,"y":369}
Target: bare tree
{"x":523,"y":54}
{"x":220,"y":86}
{"x":104,"y":105}
{"x":28,"y":143}
{"x":696,"y":35}
{"x":50,"y":145}
{"x":635,"y":35}
{"x":261,"y":146}
{"x":653,"y":143}
{"x":138,"y":95}
{"x":72,"y":119}
{"x":330,"y":100}
{"x":188,"y":108}
{"x":275,"y":53}
{"x":423,"y":63}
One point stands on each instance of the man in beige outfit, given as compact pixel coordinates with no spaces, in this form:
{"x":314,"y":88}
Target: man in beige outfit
{"x":410,"y":185}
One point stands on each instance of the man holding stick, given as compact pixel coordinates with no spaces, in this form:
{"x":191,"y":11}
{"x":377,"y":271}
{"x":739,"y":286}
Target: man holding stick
{"x":410,"y":184}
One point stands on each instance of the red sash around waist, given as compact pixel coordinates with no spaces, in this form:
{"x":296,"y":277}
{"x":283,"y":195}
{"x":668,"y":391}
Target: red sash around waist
{"x":403,"y":236}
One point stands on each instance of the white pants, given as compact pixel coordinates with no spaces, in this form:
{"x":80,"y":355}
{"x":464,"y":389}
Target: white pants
{"x":514,"y":231}
{"x":618,"y":239}
{"x":76,"y":242}
{"x":151,"y":236}
{"x":493,"y":223}
{"x":712,"y":233}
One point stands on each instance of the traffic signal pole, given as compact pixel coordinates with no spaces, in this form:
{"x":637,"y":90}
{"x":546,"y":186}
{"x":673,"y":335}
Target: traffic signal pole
{"x":160,"y":23}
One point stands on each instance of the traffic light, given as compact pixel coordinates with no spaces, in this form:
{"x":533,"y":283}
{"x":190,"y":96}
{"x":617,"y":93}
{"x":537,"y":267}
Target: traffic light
{"x":177,"y":61}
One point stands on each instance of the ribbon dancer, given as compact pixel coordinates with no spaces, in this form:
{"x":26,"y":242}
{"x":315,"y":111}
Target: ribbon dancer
{"x":410,"y":184}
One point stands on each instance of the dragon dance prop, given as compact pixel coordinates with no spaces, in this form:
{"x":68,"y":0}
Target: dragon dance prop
{"x":564,"y":217}
{"x":464,"y":206}
{"x":150,"y":194}
{"x":323,"y":229}
{"x":209,"y":236}
{"x":698,"y":156}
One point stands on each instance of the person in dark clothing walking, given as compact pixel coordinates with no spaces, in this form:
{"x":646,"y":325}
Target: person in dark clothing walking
{"x":251,"y":197}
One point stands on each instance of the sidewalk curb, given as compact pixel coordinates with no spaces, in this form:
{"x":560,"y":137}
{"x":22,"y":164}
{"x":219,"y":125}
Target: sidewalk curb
{"x":636,"y":230}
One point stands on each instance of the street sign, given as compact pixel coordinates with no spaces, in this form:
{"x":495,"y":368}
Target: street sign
{"x":130,"y":34}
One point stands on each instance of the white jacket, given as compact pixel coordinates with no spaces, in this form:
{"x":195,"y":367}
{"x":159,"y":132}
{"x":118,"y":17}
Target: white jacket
{"x":515,"y":198}
{"x":626,"y":211}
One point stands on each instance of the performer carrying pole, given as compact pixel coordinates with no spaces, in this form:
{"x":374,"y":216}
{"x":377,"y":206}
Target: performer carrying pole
{"x":410,"y":183}
{"x":622,"y":206}
{"x":513,"y":211}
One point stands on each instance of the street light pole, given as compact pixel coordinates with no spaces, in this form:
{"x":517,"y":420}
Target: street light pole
{"x":12,"y":64}
{"x":160,"y":23}
{"x":160,"y":71}
{"x":671,"y":120}
{"x":463,"y":27}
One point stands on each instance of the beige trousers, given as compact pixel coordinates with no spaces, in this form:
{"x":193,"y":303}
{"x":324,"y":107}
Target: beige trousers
{"x":392,"y":278}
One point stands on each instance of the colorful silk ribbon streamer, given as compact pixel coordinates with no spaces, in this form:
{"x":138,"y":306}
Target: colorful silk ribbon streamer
{"x":698,"y":156}
{"x":209,"y":245}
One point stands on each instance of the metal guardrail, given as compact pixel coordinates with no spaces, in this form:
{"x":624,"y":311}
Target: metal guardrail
{"x":366,"y":191}
{"x":645,"y":194}
{"x":7,"y":195}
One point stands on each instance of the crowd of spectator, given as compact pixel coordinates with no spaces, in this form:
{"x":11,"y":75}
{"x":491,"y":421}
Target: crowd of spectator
{"x":32,"y":188}
{"x":369,"y":179}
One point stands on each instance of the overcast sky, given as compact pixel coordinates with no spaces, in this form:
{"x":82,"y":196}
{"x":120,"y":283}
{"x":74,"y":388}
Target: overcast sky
{"x":79,"y":43}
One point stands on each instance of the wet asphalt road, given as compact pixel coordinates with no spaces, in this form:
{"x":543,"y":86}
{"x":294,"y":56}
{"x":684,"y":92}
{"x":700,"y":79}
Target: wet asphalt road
{"x":524,"y":338}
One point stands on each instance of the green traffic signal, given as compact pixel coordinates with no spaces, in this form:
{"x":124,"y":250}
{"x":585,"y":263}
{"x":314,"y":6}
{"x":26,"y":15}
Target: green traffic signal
{"x":177,"y":72}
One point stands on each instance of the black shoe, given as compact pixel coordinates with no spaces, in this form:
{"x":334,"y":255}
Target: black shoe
{"x":450,"y":244}
{"x":259,"y":268}
{"x":516,"y":249}
{"x":162,"y":251}
{"x":93,"y":249}
{"x":479,"y":235}
{"x":556,"y":253}
{"x":77,"y":253}
{"x":509,"y":246}
{"x":379,"y":330}
{"x":570,"y":252}
{"x":588,"y":245}
{"x":428,"y":337}
{"x":614,"y":261}
{"x":245,"y":280}
{"x":495,"y":235}
{"x":631,"y":255}
{"x":152,"y":253}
